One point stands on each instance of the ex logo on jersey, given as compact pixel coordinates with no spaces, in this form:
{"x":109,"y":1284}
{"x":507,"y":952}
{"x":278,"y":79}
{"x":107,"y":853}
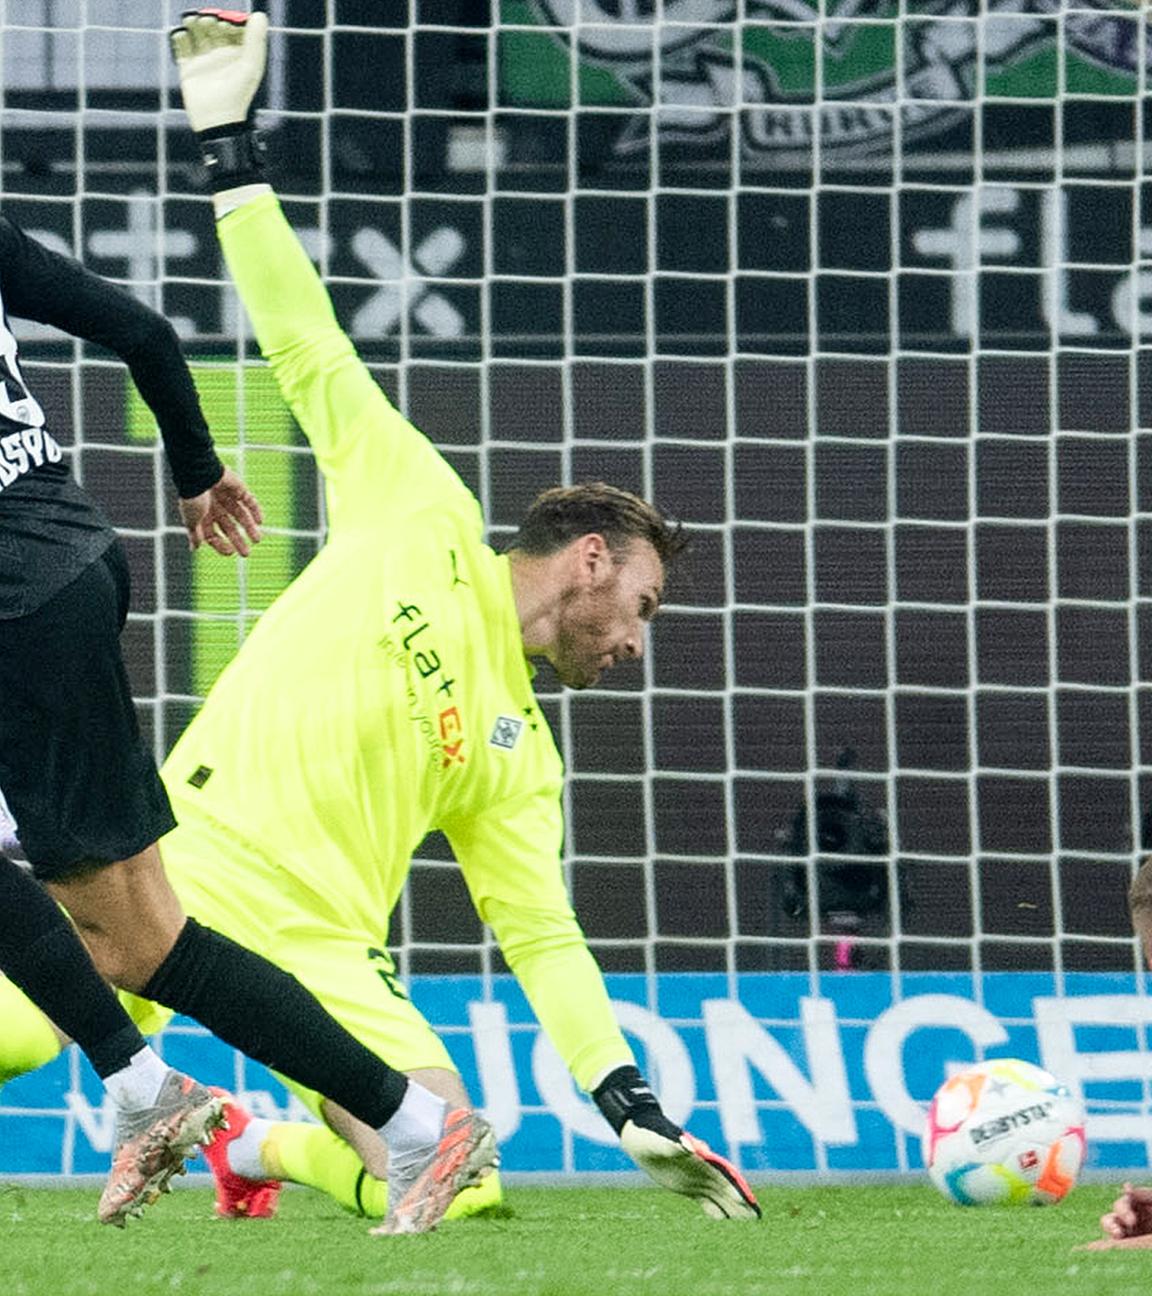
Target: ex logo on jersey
{"x":426,"y":659}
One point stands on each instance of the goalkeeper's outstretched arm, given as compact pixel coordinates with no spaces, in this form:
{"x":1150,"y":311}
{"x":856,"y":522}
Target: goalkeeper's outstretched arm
{"x":548,"y":954}
{"x":510,"y":861}
{"x":377,"y":466}
{"x":221,"y":58}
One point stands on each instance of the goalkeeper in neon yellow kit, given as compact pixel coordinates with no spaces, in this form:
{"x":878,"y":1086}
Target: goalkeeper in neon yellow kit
{"x":387,"y":693}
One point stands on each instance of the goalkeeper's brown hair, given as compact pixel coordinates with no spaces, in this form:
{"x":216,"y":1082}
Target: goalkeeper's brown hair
{"x":565,"y":513}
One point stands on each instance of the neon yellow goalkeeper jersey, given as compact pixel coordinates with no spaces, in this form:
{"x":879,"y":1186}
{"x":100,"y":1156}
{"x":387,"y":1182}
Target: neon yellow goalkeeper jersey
{"x":385,"y":693}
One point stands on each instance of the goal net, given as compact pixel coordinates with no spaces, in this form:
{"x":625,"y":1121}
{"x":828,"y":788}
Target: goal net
{"x":859,"y":290}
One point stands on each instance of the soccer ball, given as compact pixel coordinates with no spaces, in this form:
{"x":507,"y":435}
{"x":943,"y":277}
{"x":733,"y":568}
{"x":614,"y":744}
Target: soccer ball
{"x":1004,"y":1131}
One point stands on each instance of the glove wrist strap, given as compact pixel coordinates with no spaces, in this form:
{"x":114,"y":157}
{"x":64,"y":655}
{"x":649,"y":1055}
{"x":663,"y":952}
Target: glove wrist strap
{"x":233,"y":155}
{"x":624,"y":1094}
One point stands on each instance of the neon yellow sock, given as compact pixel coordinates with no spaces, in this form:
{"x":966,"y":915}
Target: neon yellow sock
{"x":27,"y":1040}
{"x":313,"y":1155}
{"x":481,"y":1197}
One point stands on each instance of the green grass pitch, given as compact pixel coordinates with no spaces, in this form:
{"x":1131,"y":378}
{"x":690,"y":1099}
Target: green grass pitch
{"x":867,"y":1241}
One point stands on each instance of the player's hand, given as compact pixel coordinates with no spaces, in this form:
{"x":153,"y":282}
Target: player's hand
{"x":687,"y":1165}
{"x":226,"y":517}
{"x":220,"y":55}
{"x":1130,"y":1218}
{"x":1118,"y":1244}
{"x":668,"y":1154}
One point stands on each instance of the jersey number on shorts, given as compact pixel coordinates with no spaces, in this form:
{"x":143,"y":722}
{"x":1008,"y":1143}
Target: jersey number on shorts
{"x":386,"y":971}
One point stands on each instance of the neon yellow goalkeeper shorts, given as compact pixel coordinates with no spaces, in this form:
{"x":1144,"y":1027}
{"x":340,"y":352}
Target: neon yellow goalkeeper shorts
{"x":228,"y":885}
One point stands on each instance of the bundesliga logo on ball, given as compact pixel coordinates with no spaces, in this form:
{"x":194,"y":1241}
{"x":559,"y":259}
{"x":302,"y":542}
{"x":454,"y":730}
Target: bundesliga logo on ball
{"x":1004,"y":1132}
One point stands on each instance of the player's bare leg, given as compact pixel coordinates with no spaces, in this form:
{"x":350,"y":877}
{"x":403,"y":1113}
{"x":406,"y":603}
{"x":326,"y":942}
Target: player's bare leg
{"x":482,"y":1191}
{"x":128,"y":915}
{"x":439,"y":1080}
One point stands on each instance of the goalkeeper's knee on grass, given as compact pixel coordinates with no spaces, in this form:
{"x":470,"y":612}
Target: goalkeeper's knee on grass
{"x":670,"y":1155}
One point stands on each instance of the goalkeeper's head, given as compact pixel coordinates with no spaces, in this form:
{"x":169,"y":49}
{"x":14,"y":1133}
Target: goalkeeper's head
{"x":588,"y":569}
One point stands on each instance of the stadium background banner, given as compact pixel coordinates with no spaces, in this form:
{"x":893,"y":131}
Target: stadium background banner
{"x":860,"y":291}
{"x":787,"y":1073}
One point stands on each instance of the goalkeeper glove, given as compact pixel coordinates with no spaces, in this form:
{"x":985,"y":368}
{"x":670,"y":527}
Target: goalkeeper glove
{"x":220,"y":55}
{"x":669,"y":1154}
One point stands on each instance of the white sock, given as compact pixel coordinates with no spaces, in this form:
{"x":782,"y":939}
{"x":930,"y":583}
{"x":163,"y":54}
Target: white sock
{"x":137,"y":1084}
{"x":416,"y":1123}
{"x":243,"y":1152}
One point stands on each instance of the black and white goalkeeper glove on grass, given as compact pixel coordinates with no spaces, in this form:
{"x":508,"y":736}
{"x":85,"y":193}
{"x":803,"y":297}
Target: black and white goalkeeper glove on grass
{"x":670,"y":1155}
{"x":220,"y":55}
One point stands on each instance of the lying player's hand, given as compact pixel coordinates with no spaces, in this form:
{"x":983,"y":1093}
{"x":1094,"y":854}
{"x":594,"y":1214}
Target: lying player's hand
{"x":225,"y":517}
{"x":1129,"y":1220}
{"x":220,"y":54}
{"x":1118,"y":1244}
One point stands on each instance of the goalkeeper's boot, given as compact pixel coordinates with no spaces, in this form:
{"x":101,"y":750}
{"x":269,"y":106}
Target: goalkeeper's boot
{"x":421,"y":1187}
{"x":153,"y":1143}
{"x":237,"y":1196}
{"x":688,"y":1165}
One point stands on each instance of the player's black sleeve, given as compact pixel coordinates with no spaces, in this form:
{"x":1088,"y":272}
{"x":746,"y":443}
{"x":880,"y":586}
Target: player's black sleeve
{"x":41,"y":285}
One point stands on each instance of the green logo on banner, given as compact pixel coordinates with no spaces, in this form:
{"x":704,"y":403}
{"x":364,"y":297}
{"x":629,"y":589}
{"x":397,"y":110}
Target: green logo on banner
{"x":859,"y":72}
{"x":225,"y":596}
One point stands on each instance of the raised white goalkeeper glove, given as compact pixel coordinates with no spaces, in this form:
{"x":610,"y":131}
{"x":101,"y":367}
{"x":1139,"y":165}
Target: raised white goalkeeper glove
{"x":669,"y":1154}
{"x":220,"y":56}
